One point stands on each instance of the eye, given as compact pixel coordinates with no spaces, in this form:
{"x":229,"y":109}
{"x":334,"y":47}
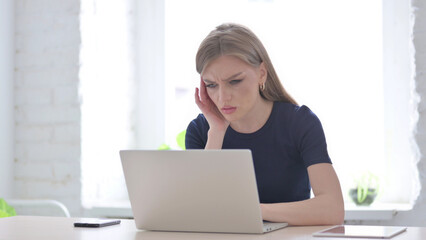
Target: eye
{"x":236,"y":81}
{"x":210,"y":85}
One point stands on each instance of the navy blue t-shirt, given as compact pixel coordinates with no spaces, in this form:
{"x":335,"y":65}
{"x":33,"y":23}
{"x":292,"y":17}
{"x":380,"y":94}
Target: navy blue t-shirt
{"x":291,"y":140}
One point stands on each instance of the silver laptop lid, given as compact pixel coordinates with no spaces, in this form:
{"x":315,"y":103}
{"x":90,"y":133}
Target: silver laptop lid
{"x":193,"y":190}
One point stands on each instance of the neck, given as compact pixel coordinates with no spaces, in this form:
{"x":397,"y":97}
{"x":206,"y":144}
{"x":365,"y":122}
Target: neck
{"x":255,"y":119}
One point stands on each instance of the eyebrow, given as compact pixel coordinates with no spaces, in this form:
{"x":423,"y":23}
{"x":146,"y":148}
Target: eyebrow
{"x":229,"y":78}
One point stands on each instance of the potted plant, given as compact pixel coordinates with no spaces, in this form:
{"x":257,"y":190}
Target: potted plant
{"x":5,"y":209}
{"x":365,"y":191}
{"x":180,"y":140}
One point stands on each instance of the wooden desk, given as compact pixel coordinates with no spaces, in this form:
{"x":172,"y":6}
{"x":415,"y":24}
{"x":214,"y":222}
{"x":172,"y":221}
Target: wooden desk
{"x":46,"y":228}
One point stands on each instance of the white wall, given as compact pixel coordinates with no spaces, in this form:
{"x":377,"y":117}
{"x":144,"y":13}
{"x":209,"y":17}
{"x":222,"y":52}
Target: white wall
{"x":47,"y":105}
{"x":398,"y":108}
{"x":6,"y":97}
{"x":406,"y":63}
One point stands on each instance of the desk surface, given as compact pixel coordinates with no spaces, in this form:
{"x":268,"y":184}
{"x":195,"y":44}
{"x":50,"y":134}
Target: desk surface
{"x":35,"y":228}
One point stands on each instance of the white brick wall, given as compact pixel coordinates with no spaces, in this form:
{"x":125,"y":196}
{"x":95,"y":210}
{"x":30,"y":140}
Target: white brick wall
{"x":7,"y":53}
{"x":47,"y":105}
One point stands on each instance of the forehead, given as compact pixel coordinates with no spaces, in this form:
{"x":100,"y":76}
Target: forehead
{"x":225,"y":66}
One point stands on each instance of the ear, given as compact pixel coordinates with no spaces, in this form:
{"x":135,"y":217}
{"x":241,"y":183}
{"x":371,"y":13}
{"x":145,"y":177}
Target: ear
{"x":263,"y":73}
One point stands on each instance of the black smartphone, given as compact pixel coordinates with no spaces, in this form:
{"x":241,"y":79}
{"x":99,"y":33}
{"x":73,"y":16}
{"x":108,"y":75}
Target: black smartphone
{"x":96,"y":222}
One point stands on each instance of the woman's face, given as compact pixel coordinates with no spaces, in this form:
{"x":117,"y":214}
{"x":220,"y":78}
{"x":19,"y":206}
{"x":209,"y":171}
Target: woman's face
{"x":233,"y":86}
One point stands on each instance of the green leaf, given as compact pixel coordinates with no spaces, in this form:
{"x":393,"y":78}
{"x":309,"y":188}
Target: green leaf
{"x":164,"y":147}
{"x":366,"y":182}
{"x":180,"y":139}
{"x":6,"y":210}
{"x":362,"y":193}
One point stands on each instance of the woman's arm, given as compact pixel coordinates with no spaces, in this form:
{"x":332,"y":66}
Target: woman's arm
{"x":218,"y":124}
{"x":215,"y":139}
{"x":326,"y":208}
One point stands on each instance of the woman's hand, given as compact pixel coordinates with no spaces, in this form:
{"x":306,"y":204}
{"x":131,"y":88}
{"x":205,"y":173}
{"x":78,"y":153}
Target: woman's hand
{"x":214,"y":117}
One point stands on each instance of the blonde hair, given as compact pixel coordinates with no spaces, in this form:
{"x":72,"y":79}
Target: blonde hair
{"x":239,"y":41}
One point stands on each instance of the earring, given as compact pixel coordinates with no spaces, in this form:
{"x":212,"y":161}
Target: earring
{"x":262,"y":86}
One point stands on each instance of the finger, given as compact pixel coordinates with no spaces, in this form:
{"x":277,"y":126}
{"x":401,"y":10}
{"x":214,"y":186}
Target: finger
{"x":205,"y":95}
{"x":203,"y":91}
{"x":197,"y":98}
{"x":196,"y":95}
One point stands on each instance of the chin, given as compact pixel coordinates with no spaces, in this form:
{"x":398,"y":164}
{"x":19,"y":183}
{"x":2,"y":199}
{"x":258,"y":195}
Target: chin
{"x":232,"y":118}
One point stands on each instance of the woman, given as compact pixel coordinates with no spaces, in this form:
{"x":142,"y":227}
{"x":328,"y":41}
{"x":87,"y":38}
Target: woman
{"x":244,"y":106}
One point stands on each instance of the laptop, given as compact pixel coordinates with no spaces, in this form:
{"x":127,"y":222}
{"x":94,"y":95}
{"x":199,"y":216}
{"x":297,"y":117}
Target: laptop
{"x":194,"y":191}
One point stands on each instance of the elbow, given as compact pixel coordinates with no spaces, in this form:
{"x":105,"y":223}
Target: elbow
{"x":338,"y":215}
{"x":337,"y":210}
{"x":339,"y":218}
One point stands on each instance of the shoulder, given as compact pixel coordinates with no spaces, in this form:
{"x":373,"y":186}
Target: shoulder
{"x":305,"y":113}
{"x":299,"y":119}
{"x":200,"y":123}
{"x":196,"y":133}
{"x":293,"y":112}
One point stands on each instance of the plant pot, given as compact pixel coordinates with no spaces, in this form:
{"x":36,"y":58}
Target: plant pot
{"x":365,"y":201}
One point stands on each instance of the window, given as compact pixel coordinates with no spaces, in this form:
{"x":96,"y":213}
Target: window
{"x":138,"y":78}
{"x":327,"y":56}
{"x":107,"y":83}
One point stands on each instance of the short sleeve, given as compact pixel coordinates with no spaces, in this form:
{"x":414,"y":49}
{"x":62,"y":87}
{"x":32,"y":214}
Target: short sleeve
{"x":196,"y":133}
{"x":309,"y":137}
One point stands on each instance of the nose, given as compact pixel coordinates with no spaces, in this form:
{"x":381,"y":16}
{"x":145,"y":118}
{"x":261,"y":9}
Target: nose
{"x":225,"y":94}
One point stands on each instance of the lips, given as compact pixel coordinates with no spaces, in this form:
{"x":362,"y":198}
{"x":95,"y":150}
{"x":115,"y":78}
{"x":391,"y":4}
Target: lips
{"x":228,"y":110}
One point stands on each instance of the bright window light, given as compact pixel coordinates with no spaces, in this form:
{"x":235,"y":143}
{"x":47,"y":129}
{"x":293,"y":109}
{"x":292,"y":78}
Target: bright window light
{"x":328,"y":55}
{"x":106,"y":78}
